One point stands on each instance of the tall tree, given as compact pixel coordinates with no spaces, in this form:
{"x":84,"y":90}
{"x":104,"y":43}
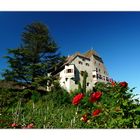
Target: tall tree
{"x":37,"y":54}
{"x":84,"y":84}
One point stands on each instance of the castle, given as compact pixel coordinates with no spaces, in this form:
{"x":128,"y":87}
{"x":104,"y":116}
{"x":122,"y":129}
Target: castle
{"x":70,"y":73}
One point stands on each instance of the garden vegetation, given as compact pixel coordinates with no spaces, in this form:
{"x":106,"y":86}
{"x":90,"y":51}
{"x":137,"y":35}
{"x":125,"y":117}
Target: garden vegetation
{"x":30,"y":97}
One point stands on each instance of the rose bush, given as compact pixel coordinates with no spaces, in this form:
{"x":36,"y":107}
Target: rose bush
{"x":112,"y":105}
{"x":77,"y":99}
{"x":95,"y":96}
{"x":96,"y":112}
{"x":123,"y":84}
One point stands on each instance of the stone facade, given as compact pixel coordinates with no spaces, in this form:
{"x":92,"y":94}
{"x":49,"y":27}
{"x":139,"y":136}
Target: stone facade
{"x":91,"y":62}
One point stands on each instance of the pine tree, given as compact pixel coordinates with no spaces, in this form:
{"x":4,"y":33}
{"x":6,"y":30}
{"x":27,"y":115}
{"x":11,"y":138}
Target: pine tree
{"x":37,"y":55}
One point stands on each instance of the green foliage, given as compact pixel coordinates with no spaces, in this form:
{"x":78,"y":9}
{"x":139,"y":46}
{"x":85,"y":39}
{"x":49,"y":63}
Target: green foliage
{"x":119,"y":108}
{"x":85,"y":75}
{"x":60,"y":97}
{"x":56,"y":86}
{"x":117,"y":105}
{"x":84,"y":84}
{"x":47,"y":111}
{"x":79,"y":87}
{"x":35,"y":96}
{"x":8,"y":97}
{"x":35,"y":57}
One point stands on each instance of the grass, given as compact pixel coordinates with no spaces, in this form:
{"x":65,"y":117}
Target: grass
{"x":53,"y":110}
{"x":32,"y":109}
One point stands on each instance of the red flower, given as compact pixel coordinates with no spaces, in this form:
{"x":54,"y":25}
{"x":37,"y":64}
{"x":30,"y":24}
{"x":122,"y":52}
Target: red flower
{"x":13,"y":125}
{"x":96,"y":112}
{"x":123,"y":84}
{"x":84,"y":118}
{"x":95,"y":96}
{"x":77,"y":98}
{"x":113,"y":84}
{"x":31,"y":125}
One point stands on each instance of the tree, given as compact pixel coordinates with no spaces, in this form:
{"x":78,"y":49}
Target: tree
{"x":84,"y":83}
{"x":85,"y":75}
{"x":37,"y":55}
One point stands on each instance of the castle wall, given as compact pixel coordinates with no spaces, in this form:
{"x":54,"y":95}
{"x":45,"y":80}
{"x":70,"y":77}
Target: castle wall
{"x":71,"y":75}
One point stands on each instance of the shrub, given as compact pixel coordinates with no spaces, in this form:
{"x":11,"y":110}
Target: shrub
{"x":111,"y":106}
{"x":59,"y":97}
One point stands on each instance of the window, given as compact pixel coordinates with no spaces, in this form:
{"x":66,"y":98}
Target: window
{"x":87,"y":84}
{"x":66,"y":79}
{"x":69,"y":70}
{"x":96,"y":70}
{"x":94,"y":76}
{"x":82,"y":73}
{"x":107,"y":79}
{"x":83,"y":59}
{"x":80,"y":62}
{"x":100,"y":76}
{"x":99,"y":70}
{"x":87,"y":64}
{"x":97,"y":76}
{"x":99,"y":64}
{"x":76,"y":81}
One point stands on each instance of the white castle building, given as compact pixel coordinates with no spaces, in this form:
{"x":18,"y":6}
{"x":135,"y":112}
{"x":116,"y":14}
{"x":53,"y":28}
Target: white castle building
{"x":70,"y":73}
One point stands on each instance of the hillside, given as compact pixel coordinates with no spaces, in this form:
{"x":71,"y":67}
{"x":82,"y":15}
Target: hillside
{"x":110,"y":105}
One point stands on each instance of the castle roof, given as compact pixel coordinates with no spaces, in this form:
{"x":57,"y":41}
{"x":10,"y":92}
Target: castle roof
{"x":90,"y":53}
{"x":86,"y":55}
{"x":72,"y":57}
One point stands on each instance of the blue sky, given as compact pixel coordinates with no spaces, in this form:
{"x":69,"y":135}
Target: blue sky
{"x":114,"y":35}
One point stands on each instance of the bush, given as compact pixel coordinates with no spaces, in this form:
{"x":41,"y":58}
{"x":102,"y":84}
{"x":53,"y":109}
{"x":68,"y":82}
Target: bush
{"x":59,"y":97}
{"x":111,"y":106}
